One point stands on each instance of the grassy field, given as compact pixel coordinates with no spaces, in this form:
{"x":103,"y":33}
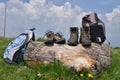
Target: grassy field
{"x":53,"y":71}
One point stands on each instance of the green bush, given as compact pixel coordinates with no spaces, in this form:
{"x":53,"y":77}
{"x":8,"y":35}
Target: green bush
{"x":40,"y":39}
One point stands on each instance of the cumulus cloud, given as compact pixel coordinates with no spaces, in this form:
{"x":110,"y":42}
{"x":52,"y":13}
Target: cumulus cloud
{"x":1,"y":17}
{"x":45,"y":16}
{"x":113,"y":25}
{"x":40,"y":14}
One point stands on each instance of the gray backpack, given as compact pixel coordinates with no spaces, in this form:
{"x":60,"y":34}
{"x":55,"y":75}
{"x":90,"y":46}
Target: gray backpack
{"x":95,"y":26}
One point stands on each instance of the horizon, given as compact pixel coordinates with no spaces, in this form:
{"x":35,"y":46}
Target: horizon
{"x":58,"y":16}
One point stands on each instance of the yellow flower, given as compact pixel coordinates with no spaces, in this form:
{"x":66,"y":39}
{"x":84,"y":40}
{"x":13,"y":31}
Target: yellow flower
{"x":90,"y":75}
{"x":81,"y":75}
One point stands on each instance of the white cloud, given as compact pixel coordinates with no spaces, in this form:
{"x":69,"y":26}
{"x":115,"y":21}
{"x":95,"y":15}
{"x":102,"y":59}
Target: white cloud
{"x":47,"y":16}
{"x":2,"y":10}
{"x":114,"y":14}
{"x":38,"y":2}
{"x":42,"y":15}
{"x":113,"y":26}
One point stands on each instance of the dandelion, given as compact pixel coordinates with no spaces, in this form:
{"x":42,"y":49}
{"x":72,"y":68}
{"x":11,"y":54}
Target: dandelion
{"x":39,"y":74}
{"x":90,"y":75}
{"x":81,"y":75}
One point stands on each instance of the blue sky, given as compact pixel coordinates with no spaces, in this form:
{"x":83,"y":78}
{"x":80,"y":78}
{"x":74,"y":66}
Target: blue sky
{"x":58,"y":15}
{"x":99,"y":6}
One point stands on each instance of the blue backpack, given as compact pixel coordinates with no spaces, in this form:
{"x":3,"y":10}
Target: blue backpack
{"x":16,"y":48}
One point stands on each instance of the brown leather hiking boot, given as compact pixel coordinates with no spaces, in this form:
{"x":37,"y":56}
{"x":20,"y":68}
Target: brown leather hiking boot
{"x":48,"y":38}
{"x":73,"y":40}
{"x":85,"y":37}
{"x":59,"y":39}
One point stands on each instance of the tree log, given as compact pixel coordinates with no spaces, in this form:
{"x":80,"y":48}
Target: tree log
{"x":77,"y":57}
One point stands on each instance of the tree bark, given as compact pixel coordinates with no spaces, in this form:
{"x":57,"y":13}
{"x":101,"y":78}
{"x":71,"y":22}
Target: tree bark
{"x":77,"y":57}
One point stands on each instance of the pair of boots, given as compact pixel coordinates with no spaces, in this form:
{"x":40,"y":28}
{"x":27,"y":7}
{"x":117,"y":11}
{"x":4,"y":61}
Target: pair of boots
{"x":50,"y":38}
{"x":84,"y":37}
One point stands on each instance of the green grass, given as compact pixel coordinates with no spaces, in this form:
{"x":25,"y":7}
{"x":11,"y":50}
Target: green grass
{"x":52,"y":71}
{"x":114,"y":72}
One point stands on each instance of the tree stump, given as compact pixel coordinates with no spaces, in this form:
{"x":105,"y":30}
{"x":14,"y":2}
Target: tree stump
{"x":77,"y":57}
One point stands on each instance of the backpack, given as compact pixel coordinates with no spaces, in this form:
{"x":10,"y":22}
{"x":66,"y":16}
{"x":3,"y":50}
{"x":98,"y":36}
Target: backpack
{"x":16,"y":48}
{"x":95,"y":26}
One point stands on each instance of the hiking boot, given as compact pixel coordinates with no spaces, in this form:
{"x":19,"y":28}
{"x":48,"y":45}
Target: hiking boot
{"x":73,"y":40}
{"x":85,"y":37}
{"x":59,"y":39}
{"x":48,"y":38}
